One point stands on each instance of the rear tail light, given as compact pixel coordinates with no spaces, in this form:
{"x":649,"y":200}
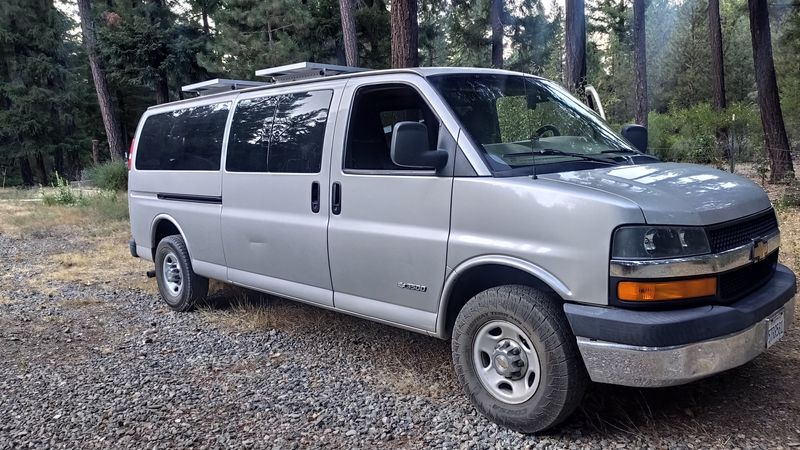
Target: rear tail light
{"x":130,"y":154}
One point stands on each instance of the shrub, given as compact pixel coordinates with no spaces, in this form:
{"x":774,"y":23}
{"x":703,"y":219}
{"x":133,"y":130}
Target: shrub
{"x":110,"y":176}
{"x":690,"y":134}
{"x":63,"y":195}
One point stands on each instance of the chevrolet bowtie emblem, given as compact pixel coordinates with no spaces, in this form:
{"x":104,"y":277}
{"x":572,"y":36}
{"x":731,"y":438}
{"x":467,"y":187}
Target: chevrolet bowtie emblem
{"x":759,"y":250}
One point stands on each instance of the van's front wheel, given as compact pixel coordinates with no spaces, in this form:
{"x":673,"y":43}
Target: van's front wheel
{"x":179,"y":286}
{"x":515,"y":356}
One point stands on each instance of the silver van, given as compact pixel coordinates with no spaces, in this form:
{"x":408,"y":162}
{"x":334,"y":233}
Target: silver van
{"x":483,"y":206}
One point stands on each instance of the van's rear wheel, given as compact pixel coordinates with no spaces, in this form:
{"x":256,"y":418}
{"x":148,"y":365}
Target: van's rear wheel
{"x":517,"y":359}
{"x":179,"y":286}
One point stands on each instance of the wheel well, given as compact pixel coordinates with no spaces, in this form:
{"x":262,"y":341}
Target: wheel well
{"x":163,"y":229}
{"x":477,"y":279}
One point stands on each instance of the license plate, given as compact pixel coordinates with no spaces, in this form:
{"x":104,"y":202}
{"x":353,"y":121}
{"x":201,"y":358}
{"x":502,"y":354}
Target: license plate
{"x":774,"y":328}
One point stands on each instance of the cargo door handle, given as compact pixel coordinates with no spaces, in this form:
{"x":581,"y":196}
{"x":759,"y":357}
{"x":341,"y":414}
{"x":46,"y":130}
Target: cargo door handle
{"x":336,"y":198}
{"x":315,"y":197}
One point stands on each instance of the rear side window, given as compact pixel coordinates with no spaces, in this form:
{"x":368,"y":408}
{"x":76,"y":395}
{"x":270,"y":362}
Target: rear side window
{"x":284,"y":133}
{"x":251,"y":129}
{"x":184,"y":139}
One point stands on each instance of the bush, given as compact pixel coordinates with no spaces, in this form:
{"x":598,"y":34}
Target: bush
{"x":110,"y":176}
{"x":689,"y":135}
{"x":64,"y":194}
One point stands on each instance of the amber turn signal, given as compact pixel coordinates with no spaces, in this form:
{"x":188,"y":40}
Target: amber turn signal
{"x":666,"y":290}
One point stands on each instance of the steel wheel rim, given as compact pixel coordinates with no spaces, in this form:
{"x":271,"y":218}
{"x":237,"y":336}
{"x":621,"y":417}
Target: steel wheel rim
{"x":172,"y":274}
{"x":515,"y":389}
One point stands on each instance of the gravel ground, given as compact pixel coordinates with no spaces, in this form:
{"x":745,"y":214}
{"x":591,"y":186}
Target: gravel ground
{"x":102,"y":365}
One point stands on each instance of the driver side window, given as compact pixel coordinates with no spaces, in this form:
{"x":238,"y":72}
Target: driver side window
{"x":376,"y":110}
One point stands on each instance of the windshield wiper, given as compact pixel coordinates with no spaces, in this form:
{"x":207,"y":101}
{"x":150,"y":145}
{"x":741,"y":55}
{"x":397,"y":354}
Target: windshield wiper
{"x":553,"y":152}
{"x":622,"y":150}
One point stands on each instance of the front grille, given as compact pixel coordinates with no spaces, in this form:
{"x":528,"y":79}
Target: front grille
{"x":740,"y":282}
{"x":734,"y":234}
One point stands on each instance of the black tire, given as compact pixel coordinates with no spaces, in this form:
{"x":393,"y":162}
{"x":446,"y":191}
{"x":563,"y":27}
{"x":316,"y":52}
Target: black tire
{"x":193,"y":288}
{"x":562,"y":379}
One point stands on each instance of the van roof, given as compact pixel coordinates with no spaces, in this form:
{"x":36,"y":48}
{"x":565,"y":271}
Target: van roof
{"x":421,"y":71}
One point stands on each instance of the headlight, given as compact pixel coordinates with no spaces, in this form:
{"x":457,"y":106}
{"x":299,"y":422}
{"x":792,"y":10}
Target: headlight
{"x":645,"y":242}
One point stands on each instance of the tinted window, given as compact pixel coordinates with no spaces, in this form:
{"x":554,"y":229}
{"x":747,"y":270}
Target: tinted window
{"x":376,"y":110}
{"x":251,"y":128}
{"x":184,"y":139}
{"x":282,"y":133}
{"x":298,"y":133}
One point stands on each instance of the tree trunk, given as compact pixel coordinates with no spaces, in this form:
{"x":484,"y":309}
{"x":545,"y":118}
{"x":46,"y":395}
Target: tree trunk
{"x":717,"y":65}
{"x":780,"y":159}
{"x":347,"y":9}
{"x":58,"y":163}
{"x":405,"y":33}
{"x":718,"y":71}
{"x":41,"y":170}
{"x":111,"y":120}
{"x":25,"y":171}
{"x":95,"y":151}
{"x":640,"y":62}
{"x":575,"y":45}
{"x":206,"y":29}
{"x":495,"y":17}
{"x":162,"y":89}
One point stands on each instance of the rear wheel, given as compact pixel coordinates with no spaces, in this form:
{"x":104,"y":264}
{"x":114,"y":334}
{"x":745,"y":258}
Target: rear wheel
{"x":517,"y":359}
{"x":179,"y":286}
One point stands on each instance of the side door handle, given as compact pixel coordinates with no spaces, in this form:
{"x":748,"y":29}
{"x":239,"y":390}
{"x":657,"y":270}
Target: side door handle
{"x":336,"y":198}
{"x":315,"y":197}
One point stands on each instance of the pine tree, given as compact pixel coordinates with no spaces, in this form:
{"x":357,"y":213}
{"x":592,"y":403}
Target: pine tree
{"x":405,"y":34}
{"x":348,"y":13}
{"x":535,"y":41}
{"x":143,"y":43}
{"x":496,"y":11}
{"x":467,"y":33}
{"x":255,"y":34}
{"x":575,"y":45}
{"x":432,"y":33}
{"x":687,"y":63}
{"x":777,"y":143}
{"x":640,"y":62}
{"x":35,"y":101}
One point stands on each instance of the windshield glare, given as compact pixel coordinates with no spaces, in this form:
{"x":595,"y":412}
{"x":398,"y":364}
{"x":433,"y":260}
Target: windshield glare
{"x":515,"y":119}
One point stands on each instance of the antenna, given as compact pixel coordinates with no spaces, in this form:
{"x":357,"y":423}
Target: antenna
{"x":530,"y":132}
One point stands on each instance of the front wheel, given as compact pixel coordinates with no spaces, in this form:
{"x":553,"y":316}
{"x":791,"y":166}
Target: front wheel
{"x":516,"y":358}
{"x":179,"y":286}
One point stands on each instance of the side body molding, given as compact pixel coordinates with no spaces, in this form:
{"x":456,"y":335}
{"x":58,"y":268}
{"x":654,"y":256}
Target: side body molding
{"x":452,"y":279}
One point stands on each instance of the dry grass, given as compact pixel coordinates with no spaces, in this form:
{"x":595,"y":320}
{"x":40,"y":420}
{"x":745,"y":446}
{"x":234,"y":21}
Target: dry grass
{"x":104,"y":261}
{"x":5,"y":300}
{"x":245,"y":310}
{"x":103,"y":257}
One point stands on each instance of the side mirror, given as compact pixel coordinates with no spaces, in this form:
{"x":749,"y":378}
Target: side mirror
{"x":636,"y":135}
{"x":410,"y":147}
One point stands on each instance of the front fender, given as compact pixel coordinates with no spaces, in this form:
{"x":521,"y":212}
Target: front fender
{"x":503,"y":260}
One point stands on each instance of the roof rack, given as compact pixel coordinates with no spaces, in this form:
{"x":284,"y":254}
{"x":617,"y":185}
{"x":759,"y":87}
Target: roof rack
{"x":219,"y":85}
{"x":304,"y":70}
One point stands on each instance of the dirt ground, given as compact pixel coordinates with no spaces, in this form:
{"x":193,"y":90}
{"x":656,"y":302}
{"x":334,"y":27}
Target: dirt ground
{"x":87,"y":348}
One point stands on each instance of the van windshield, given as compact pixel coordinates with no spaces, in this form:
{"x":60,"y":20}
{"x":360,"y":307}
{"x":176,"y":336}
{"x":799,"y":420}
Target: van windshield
{"x":517,"y":120}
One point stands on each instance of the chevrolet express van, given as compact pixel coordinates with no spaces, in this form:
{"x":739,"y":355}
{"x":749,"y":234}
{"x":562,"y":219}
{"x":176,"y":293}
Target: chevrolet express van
{"x":483,"y":206}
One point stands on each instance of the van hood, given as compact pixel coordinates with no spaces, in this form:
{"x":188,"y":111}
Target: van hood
{"x":675,"y":194}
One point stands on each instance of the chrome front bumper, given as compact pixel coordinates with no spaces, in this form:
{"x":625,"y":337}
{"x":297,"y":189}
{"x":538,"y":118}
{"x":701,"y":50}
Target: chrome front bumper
{"x":629,"y":365}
